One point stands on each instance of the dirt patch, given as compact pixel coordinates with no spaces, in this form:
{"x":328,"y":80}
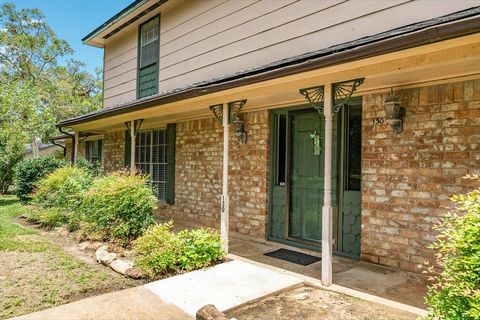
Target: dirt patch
{"x":40,"y":269}
{"x":66,"y":241}
{"x":312,"y":303}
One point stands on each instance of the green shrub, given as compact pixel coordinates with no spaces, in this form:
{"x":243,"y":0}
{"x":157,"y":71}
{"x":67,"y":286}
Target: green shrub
{"x":455,"y":292}
{"x":63,"y":188}
{"x":29,"y":171}
{"x":160,"y":251}
{"x":94,"y":168}
{"x":200,"y":248}
{"x":157,"y":250}
{"x":47,"y":217}
{"x":120,"y":206}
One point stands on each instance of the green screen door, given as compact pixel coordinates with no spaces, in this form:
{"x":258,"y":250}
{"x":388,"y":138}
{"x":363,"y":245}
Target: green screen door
{"x":306,"y":176}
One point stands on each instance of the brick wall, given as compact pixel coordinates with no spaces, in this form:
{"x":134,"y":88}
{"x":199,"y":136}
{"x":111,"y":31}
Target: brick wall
{"x":198,"y":175}
{"x":81,"y":150}
{"x":68,"y":153}
{"x":114,"y":151}
{"x":408,"y":178}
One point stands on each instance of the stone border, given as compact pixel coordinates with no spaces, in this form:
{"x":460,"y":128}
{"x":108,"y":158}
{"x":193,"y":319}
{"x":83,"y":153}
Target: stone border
{"x":123,"y":266}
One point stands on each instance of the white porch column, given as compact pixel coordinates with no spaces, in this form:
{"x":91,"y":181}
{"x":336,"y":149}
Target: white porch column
{"x":327,"y":198}
{"x":225,"y":203}
{"x":75,"y":147}
{"x":132,"y":144}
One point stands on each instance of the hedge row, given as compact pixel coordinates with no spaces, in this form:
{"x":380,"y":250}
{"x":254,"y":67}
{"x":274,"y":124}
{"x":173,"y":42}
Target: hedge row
{"x":118,"y":207}
{"x":115,"y":207}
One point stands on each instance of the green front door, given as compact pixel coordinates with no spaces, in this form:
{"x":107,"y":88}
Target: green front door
{"x":306,"y":176}
{"x":297,"y":167}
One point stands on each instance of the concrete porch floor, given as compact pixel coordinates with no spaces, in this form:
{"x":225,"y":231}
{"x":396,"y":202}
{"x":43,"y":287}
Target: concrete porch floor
{"x":400,"y":286}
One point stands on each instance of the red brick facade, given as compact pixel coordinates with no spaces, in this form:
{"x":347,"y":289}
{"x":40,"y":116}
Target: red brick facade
{"x":198,"y":175}
{"x":113,"y":157}
{"x":408,"y":178}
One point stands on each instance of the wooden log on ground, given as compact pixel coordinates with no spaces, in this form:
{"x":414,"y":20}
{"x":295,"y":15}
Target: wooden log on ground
{"x":209,"y":312}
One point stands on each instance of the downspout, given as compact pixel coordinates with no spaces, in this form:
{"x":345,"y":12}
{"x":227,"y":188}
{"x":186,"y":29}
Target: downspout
{"x":61,"y":146}
{"x":72,"y":136}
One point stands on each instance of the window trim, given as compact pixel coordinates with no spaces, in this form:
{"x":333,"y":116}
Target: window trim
{"x":139,"y":48}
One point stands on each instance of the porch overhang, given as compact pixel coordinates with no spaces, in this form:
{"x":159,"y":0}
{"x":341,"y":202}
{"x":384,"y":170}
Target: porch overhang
{"x":429,"y":37}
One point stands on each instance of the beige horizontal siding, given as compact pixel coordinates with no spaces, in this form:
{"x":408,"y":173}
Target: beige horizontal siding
{"x":243,"y":40}
{"x":202,"y":40}
{"x":121,"y":97}
{"x":120,"y":69}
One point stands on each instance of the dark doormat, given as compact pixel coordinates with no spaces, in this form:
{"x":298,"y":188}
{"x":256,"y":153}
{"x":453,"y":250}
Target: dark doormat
{"x":293,"y":256}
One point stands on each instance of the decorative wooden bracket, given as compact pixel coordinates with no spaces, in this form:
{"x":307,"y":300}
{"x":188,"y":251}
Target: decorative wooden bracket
{"x":137,"y":124}
{"x":83,"y":135}
{"x":343,"y":91}
{"x":217,"y":111}
{"x":234,"y":108}
{"x":314,"y":95}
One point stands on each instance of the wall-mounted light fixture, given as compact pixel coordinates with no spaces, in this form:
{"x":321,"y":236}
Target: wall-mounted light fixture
{"x":239,"y":128}
{"x":394,"y":112}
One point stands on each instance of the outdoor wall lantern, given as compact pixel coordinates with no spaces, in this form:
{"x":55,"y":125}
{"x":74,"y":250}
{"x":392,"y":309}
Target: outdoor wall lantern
{"x":394,"y":112}
{"x":239,"y":128}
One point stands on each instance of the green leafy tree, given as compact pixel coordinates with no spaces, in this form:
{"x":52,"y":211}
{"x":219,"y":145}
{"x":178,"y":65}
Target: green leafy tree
{"x":455,"y":291}
{"x":18,"y":102}
{"x":39,"y":85}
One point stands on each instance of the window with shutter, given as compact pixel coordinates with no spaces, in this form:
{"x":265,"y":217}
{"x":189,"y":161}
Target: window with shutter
{"x":151,"y":159}
{"x":93,"y":151}
{"x":148,"y":51}
{"x":155,"y":156}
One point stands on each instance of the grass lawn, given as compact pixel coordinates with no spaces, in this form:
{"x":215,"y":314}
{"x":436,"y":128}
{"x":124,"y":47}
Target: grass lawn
{"x":36,"y":273}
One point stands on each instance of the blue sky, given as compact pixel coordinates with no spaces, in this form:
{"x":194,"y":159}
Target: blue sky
{"x":74,"y":19}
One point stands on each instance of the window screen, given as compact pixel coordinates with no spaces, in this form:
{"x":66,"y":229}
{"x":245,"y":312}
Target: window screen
{"x":151,"y":158}
{"x":93,"y":151}
{"x":149,"y":35}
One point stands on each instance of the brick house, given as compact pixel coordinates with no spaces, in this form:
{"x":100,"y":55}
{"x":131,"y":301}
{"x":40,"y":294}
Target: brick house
{"x":340,"y":126}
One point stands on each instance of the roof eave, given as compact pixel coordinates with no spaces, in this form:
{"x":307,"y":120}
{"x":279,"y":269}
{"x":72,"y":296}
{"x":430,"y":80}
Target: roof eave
{"x":88,"y":39}
{"x":448,"y":30}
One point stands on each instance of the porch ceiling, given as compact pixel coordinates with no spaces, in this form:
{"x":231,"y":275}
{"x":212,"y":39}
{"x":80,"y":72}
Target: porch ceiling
{"x":439,"y":61}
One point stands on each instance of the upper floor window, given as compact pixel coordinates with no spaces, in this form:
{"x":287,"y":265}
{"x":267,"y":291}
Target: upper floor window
{"x":93,"y":151}
{"x":148,"y":51}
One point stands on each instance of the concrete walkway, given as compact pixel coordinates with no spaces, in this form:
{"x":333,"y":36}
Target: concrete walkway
{"x":403,"y":287}
{"x":226,"y":286}
{"x":130,"y":304}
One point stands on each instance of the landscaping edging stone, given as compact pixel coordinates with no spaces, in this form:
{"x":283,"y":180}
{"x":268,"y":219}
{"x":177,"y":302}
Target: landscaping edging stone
{"x":123,"y":266}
